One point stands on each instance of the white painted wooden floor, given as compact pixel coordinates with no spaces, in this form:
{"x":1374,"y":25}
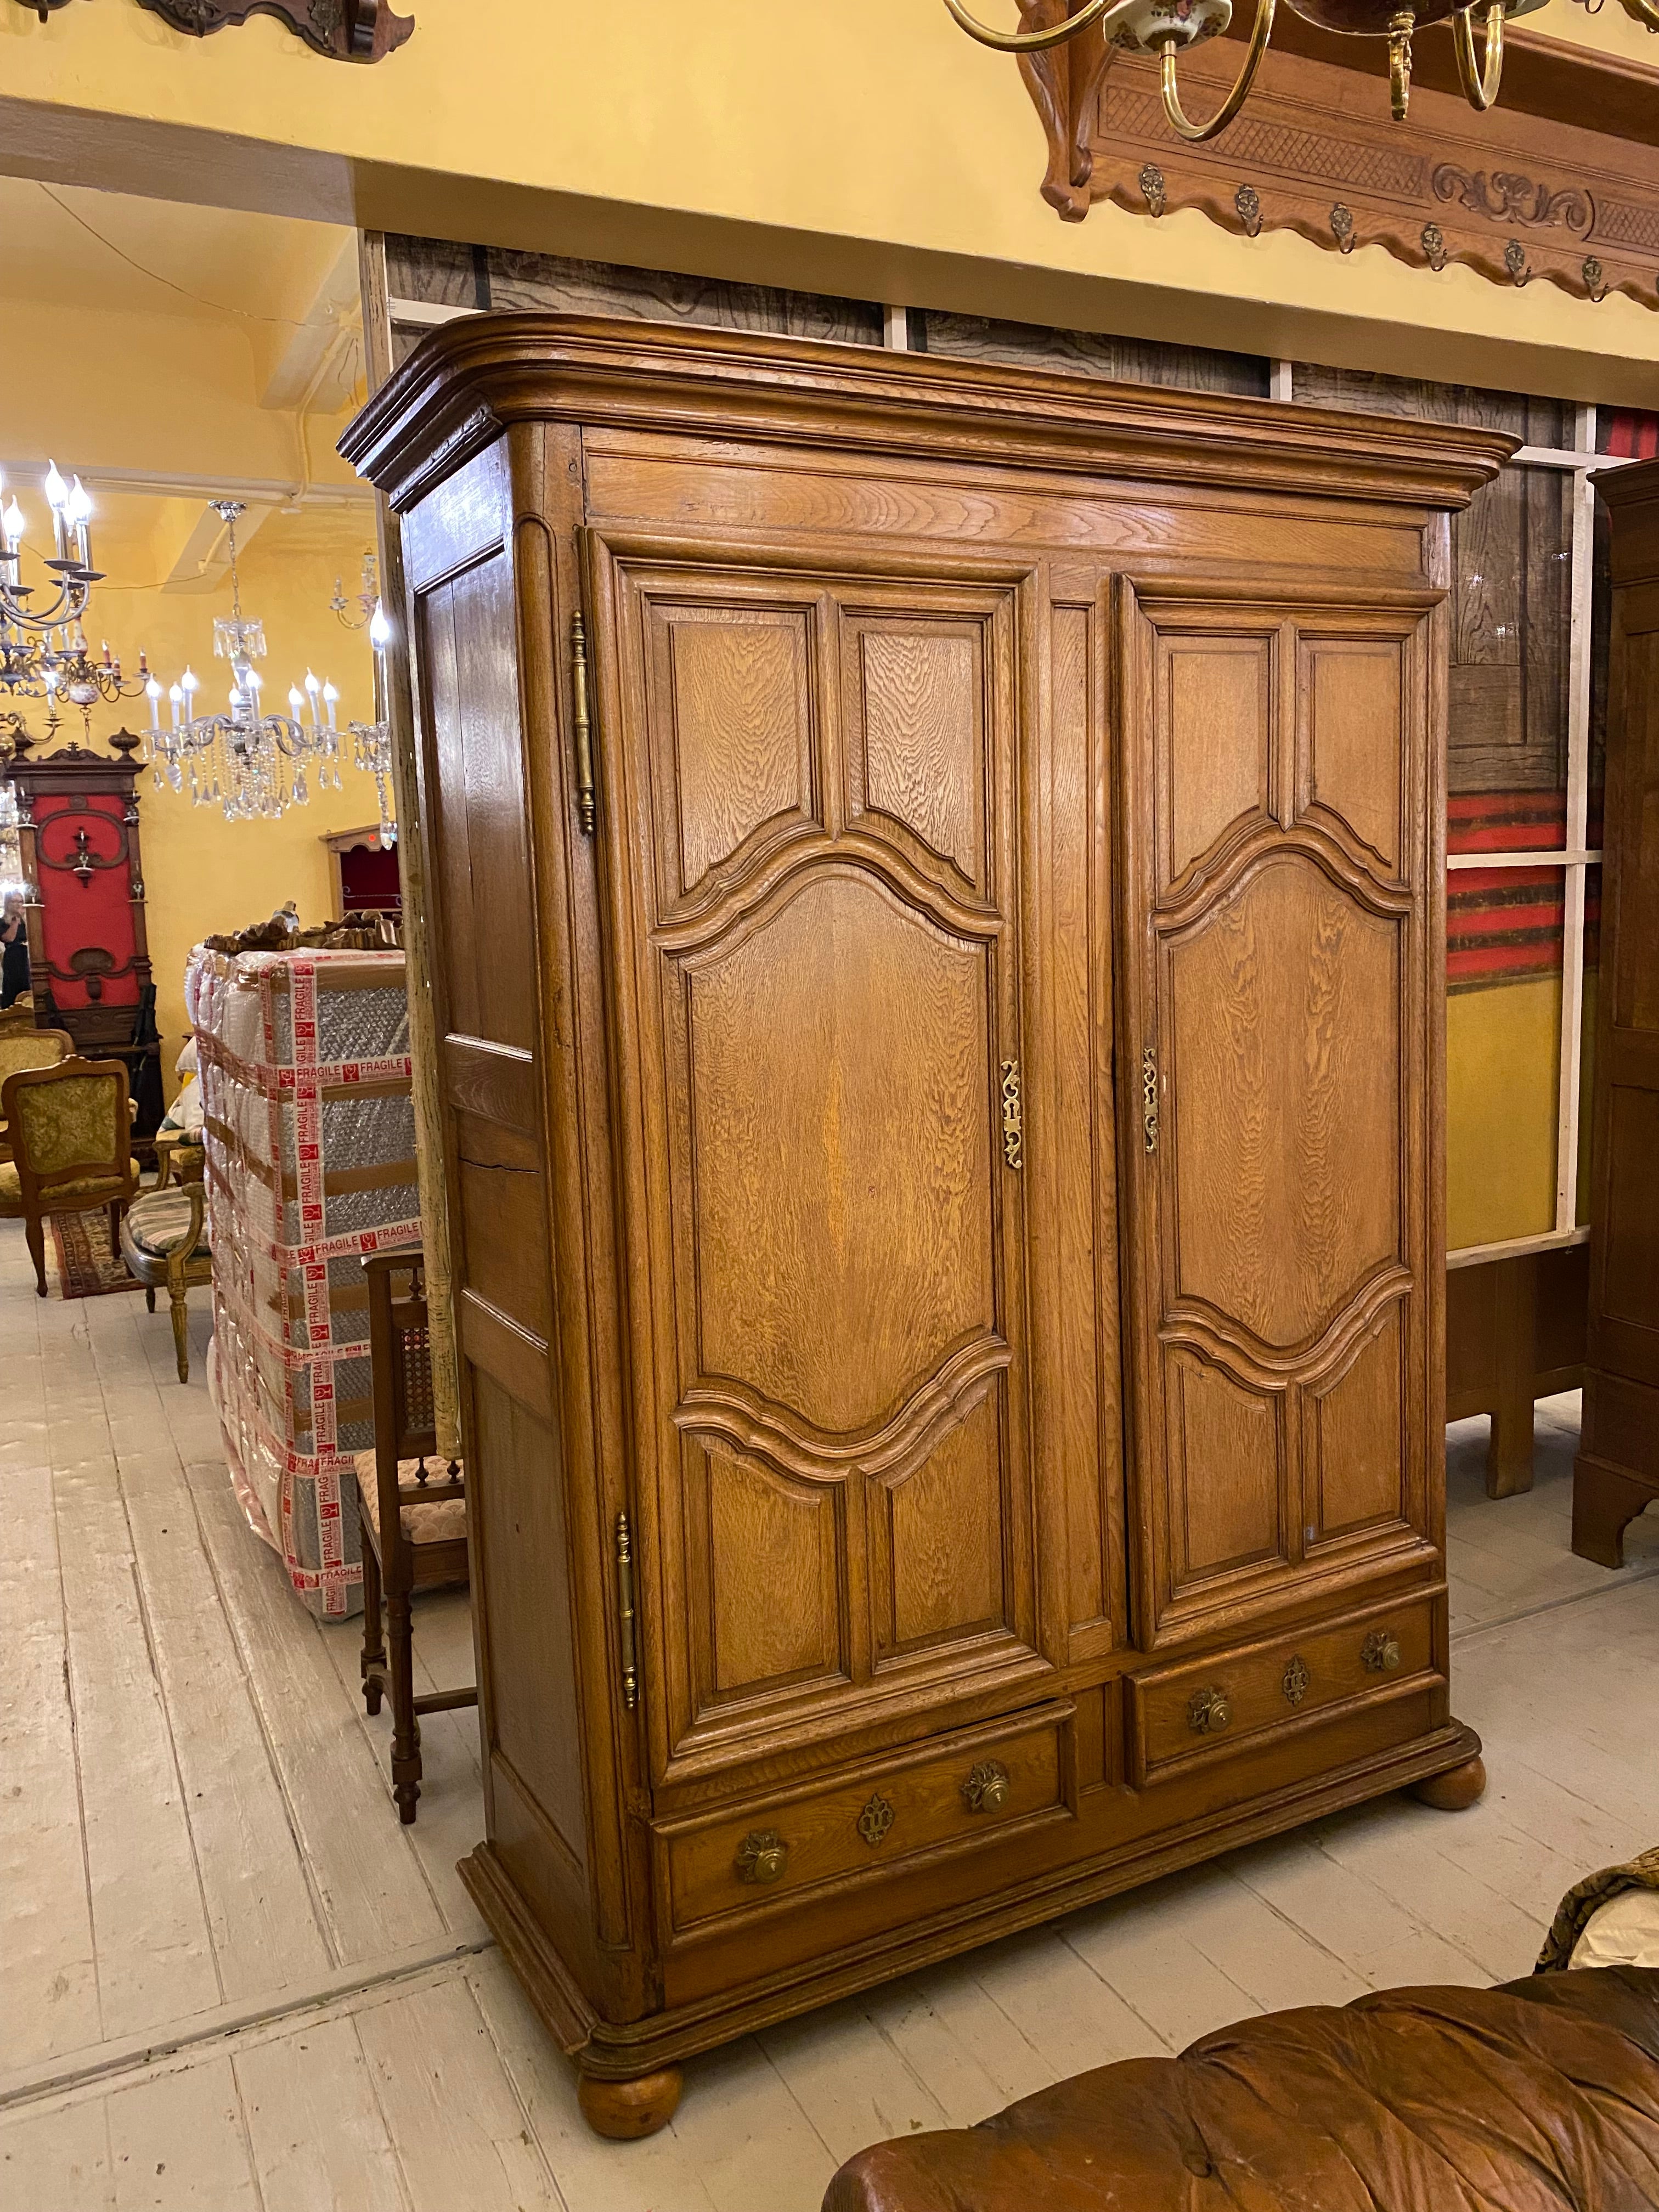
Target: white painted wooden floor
{"x":229,"y":1979}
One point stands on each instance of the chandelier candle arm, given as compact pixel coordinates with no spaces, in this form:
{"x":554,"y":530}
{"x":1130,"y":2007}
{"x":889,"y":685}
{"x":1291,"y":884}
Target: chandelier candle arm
{"x":1196,"y":133}
{"x":1481,"y":79}
{"x":373,"y":739}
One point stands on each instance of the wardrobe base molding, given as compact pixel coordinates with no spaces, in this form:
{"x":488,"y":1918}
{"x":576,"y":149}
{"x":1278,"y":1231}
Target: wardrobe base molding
{"x":612,"y":2051}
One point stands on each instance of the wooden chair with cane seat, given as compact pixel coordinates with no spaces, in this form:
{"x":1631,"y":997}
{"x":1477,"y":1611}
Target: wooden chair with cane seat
{"x":70,"y":1128}
{"x":22,"y":1045}
{"x":413,"y":1510}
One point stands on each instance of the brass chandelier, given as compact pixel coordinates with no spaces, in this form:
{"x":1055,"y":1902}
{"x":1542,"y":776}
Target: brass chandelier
{"x":1164,"y":27}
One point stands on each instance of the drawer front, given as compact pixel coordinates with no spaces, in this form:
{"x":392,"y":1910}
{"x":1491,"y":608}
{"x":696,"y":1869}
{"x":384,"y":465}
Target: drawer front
{"x":1205,"y":1708}
{"x":977,"y":1787}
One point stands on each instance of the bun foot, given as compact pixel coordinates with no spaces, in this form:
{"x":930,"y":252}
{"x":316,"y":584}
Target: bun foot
{"x":1455,"y":1790}
{"x":624,"y":2110}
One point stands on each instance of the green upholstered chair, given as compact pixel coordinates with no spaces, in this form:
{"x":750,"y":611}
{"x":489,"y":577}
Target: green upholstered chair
{"x":70,"y":1127}
{"x":22,"y":1045}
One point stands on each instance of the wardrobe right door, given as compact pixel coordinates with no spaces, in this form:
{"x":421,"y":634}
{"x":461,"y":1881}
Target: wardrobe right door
{"x":1280,"y":1034}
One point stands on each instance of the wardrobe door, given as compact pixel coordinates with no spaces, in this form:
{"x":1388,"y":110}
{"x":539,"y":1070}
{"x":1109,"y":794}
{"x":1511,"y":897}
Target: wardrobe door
{"x":808,"y":783}
{"x":1280,"y":1033}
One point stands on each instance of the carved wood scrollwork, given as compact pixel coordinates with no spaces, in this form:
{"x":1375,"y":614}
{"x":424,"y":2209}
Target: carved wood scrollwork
{"x":1507,"y":196}
{"x":1513,"y":195}
{"x":1063,"y":83}
{"x":343,"y":30}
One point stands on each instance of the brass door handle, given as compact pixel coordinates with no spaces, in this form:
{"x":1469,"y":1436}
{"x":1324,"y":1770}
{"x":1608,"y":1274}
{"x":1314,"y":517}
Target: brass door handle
{"x":1209,"y":1712}
{"x":1380,"y":1653}
{"x":987,"y":1789}
{"x":762,"y":1856}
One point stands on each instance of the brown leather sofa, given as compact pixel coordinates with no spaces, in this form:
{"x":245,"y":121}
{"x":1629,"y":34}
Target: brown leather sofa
{"x":1537,"y":2097}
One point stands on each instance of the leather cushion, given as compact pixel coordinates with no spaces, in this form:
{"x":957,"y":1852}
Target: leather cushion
{"x":442,"y":1523}
{"x":1542,"y":2096}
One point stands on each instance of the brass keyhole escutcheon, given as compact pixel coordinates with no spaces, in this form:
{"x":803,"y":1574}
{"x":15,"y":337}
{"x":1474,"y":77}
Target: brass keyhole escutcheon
{"x":1209,"y":1712}
{"x":877,"y":1818}
{"x":1381,"y":1653}
{"x":762,"y":1856}
{"x":987,"y":1789}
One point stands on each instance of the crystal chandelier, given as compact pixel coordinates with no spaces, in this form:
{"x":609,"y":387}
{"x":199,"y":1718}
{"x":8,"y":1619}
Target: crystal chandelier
{"x":250,"y":763}
{"x":1163,"y":27}
{"x":373,"y":739}
{"x":43,"y":649}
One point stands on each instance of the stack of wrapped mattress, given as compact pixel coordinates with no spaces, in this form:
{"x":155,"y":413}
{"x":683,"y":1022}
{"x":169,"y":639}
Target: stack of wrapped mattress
{"x":309,"y":1127}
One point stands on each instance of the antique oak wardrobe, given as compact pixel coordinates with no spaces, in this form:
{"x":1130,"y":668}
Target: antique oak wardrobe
{"x":936,"y":880}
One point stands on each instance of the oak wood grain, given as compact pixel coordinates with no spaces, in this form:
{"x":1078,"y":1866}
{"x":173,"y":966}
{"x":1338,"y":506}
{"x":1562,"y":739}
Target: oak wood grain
{"x":961,"y":736}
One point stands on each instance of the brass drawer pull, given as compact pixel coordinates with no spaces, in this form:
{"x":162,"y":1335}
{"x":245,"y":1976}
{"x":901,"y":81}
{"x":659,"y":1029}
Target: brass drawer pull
{"x":762,"y":1856}
{"x":1380,"y":1653}
{"x":1296,"y":1681}
{"x":1209,"y":1712}
{"x":987,"y":1789}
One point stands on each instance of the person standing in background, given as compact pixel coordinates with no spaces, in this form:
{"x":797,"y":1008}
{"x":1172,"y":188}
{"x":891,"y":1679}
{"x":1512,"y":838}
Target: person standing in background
{"x":14,"y":953}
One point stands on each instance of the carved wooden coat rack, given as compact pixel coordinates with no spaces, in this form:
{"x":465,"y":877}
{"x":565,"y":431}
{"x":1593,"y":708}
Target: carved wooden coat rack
{"x":1561,"y":181}
{"x":343,"y":30}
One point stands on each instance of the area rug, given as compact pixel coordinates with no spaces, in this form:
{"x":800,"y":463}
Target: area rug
{"x":87,"y":1267}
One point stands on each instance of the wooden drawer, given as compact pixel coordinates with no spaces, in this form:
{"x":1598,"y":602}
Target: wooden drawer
{"x":979,"y":1786}
{"x":1202,"y":1709}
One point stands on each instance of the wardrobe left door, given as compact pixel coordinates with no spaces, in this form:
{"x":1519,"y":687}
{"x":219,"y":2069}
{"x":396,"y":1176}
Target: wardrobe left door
{"x":808,"y":778}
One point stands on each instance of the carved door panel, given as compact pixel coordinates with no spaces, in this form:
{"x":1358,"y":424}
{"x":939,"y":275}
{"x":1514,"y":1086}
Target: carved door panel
{"x":1277,"y":1029}
{"x":808,"y":781}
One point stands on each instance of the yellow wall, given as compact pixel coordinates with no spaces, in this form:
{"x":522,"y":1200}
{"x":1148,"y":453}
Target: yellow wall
{"x":862,"y":146}
{"x":204,"y":874}
{"x":1503,"y":1056}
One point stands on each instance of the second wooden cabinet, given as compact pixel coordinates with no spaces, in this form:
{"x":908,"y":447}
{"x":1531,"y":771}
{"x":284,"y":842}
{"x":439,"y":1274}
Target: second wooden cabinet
{"x":937,"y":942}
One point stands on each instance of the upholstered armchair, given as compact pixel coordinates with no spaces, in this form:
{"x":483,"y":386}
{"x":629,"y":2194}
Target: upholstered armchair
{"x":22,"y":1045}
{"x":164,"y":1240}
{"x":70,"y":1128}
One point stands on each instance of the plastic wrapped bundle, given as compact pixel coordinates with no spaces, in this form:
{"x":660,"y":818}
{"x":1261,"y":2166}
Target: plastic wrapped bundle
{"x":310,"y":1133}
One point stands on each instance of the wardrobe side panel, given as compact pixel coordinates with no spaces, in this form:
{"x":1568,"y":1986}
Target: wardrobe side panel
{"x":464,"y":594}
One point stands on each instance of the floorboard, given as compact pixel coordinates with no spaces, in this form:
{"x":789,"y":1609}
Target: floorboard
{"x":234,"y":1980}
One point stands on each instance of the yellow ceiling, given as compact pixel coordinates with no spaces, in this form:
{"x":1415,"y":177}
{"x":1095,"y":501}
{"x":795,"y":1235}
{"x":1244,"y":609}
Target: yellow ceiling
{"x":61,"y":246}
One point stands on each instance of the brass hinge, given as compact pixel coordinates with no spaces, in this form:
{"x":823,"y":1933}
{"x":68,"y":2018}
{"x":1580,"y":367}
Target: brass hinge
{"x":627,"y":1629}
{"x":1149,"y":1096}
{"x":582,"y":725}
{"x":1013,"y":1133}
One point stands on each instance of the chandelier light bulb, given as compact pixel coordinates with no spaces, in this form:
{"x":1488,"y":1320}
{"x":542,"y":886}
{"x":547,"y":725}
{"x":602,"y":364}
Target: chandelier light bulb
{"x":295,"y":699}
{"x":191,"y":680}
{"x":12,"y":522}
{"x":379,"y":630}
{"x":312,"y":684}
{"x":79,"y":503}
{"x":56,"y":489}
{"x":176,"y":693}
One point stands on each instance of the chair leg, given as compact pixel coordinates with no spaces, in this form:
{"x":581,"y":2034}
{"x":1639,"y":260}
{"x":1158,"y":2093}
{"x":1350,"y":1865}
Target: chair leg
{"x":373,"y":1640}
{"x":176,"y":1294}
{"x":406,"y":1728}
{"x":34,"y":1229}
{"x":115,"y":1225}
{"x":149,"y":1297}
